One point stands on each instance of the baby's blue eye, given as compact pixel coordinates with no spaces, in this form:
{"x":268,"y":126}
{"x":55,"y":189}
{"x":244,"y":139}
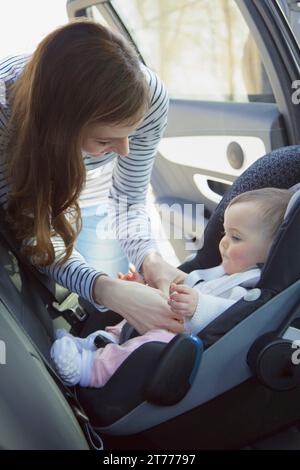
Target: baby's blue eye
{"x":235,"y":239}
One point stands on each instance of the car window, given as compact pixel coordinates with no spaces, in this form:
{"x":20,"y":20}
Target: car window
{"x":202,"y":49}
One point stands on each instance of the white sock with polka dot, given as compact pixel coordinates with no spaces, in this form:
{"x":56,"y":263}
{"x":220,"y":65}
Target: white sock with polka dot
{"x":73,"y":365}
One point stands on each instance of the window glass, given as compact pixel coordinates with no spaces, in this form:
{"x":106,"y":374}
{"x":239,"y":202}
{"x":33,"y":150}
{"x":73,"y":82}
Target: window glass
{"x":201,"y":49}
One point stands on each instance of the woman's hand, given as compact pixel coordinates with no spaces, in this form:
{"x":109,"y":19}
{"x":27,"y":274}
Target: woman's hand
{"x":143,"y":307}
{"x":160,"y":274}
{"x":183,"y":300}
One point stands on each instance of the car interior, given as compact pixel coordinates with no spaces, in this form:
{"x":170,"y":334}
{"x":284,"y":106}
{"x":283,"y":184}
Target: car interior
{"x":234,"y":385}
{"x":233,"y":378}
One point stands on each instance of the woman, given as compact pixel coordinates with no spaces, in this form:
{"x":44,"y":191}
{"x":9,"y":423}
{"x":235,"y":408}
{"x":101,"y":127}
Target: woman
{"x":84,"y":102}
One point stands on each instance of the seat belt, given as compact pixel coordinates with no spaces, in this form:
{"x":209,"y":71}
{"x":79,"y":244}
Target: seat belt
{"x":71,"y":309}
{"x":63,"y":303}
{"x":94,"y":440}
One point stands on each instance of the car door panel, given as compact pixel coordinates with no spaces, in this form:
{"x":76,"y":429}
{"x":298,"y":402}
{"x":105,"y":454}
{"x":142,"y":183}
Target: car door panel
{"x":196,"y":147}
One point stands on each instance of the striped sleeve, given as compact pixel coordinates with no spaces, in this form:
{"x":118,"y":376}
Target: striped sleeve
{"x":75,"y":274}
{"x":131,"y":177}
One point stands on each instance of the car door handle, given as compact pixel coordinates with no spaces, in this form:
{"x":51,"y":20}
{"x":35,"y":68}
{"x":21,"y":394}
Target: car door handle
{"x":235,"y":155}
{"x":202,"y":185}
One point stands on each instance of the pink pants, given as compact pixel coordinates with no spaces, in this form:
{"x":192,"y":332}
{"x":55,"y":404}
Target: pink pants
{"x":108,"y":359}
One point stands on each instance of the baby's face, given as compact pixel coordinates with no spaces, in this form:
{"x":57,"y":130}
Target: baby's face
{"x":244,"y":243}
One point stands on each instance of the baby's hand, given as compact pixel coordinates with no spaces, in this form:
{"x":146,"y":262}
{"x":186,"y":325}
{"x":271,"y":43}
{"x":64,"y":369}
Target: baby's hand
{"x":183,"y":299}
{"x":132,"y":275}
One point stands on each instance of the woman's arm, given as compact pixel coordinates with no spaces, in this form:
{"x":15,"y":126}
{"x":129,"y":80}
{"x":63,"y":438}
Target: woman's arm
{"x":143,"y":307}
{"x":160,"y":274}
{"x":10,"y":69}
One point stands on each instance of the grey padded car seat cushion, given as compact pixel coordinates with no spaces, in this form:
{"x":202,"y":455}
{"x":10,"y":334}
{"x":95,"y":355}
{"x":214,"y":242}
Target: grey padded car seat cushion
{"x":278,"y":169}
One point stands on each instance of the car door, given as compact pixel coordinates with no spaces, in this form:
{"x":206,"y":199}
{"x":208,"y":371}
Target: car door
{"x":230,"y":67}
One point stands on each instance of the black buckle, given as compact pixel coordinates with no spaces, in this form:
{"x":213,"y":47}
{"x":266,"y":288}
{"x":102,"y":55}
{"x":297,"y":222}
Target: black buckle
{"x":71,"y":309}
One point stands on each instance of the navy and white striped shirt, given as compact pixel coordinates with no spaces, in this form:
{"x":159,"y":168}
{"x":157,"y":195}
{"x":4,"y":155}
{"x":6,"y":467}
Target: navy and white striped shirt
{"x":127,"y":177}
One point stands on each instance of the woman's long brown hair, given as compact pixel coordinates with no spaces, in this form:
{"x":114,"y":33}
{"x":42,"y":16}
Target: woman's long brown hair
{"x":80,"y":74}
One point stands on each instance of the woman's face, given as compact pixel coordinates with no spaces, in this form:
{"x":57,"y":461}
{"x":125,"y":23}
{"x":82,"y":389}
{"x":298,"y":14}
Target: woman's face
{"x":99,"y":139}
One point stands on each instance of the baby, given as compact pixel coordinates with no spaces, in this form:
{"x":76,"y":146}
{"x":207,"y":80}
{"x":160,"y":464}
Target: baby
{"x":251,"y":222}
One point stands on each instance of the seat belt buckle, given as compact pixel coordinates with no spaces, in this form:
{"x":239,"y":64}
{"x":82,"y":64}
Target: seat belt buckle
{"x":70,"y":307}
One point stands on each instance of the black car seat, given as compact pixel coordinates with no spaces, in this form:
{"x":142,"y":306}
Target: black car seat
{"x":232,"y":401}
{"x":229,"y":401}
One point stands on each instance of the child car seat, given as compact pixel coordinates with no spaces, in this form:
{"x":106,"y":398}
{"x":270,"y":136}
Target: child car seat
{"x":232,"y":401}
{"x":241,"y":393}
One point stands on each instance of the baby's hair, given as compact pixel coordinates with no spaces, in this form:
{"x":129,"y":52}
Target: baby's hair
{"x":272,"y":204}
